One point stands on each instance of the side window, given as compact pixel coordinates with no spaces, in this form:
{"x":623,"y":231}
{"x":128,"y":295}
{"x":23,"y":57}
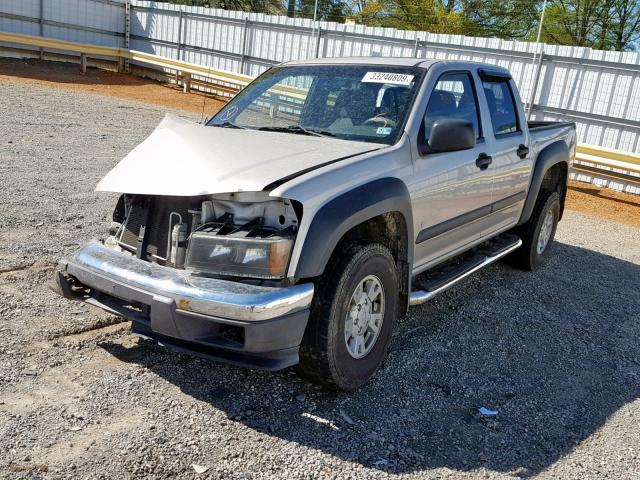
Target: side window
{"x":452,"y":97}
{"x":502,"y":106}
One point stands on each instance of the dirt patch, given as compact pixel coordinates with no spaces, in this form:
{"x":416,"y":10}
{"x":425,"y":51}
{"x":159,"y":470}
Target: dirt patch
{"x":604,"y":202}
{"x":28,"y":468}
{"x":15,"y":268}
{"x":108,"y":325}
{"x":105,"y":82}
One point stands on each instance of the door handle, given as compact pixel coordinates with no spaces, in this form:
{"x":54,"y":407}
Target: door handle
{"x":483,"y":161}
{"x":522,"y":151}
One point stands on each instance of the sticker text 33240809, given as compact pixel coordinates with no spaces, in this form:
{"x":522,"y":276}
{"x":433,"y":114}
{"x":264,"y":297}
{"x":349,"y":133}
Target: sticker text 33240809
{"x":388,"y":77}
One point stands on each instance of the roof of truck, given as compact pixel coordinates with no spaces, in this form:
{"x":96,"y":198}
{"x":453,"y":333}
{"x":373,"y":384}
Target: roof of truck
{"x":395,"y":61}
{"x":391,"y":61}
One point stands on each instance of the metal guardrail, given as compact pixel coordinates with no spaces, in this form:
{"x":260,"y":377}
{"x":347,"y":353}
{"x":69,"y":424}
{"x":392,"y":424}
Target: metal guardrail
{"x":610,"y":165}
{"x":185,"y":69}
{"x":55,"y":44}
{"x":218,"y":78}
{"x":591,"y":160}
{"x":616,"y":158}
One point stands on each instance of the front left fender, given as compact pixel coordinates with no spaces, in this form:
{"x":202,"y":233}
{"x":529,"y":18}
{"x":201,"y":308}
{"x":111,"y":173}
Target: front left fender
{"x":334,"y":219}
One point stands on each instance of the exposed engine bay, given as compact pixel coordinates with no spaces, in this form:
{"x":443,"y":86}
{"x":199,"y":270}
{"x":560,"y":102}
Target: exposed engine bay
{"x":243,"y":234}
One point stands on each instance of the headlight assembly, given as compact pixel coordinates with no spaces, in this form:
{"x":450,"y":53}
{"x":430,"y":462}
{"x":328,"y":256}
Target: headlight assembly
{"x":266,"y":258}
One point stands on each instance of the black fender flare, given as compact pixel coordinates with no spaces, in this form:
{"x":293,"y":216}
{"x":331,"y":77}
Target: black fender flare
{"x":334,"y":219}
{"x":553,"y":154}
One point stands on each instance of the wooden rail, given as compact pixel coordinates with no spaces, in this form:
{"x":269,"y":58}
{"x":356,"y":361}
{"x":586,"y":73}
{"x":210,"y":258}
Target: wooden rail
{"x":591,"y":160}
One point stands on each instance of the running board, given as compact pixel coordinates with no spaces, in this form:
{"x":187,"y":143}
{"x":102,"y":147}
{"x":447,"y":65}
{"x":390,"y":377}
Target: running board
{"x":484,"y":257}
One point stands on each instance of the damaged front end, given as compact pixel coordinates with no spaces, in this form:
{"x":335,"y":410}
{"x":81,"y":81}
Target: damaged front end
{"x":248,"y":235}
{"x":207,"y":274}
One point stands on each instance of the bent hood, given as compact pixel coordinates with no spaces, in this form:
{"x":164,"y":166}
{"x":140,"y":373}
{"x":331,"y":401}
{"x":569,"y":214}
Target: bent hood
{"x":183,"y":158}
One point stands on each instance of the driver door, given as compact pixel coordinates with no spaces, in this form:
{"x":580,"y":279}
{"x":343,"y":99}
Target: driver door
{"x":451,"y":193}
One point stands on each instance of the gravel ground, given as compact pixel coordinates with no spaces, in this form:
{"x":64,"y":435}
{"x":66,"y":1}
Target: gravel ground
{"x":555,"y":352}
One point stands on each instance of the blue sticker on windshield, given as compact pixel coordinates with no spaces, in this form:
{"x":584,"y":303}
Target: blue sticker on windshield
{"x":229,"y":112}
{"x":384,"y":130}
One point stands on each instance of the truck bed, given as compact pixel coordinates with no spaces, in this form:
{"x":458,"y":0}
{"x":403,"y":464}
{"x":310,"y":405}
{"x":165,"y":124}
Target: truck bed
{"x":544,"y":133}
{"x":537,"y":125}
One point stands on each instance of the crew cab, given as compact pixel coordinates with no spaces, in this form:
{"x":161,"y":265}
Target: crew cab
{"x":297,"y":224}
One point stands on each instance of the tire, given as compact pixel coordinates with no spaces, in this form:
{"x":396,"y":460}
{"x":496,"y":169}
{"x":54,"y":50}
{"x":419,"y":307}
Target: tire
{"x":529,"y":256}
{"x":324,"y":355}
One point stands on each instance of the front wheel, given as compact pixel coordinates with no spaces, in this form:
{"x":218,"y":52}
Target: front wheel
{"x":538,"y":233}
{"x":352,"y":318}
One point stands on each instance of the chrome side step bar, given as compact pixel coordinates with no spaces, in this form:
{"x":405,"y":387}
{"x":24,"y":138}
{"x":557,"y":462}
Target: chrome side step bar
{"x":418,"y":297}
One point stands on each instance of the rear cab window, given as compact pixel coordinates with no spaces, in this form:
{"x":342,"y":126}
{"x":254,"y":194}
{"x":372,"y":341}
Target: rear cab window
{"x":502,"y":105}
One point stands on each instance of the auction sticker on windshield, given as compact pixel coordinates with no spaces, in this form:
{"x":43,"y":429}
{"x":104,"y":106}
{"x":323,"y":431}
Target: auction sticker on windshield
{"x":387,"y":77}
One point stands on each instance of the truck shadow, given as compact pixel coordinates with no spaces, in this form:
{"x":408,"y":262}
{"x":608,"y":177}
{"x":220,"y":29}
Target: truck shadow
{"x":554,"y":352}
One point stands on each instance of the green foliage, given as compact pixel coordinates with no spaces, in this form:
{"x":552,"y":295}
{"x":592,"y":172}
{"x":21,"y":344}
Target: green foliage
{"x":574,"y":22}
{"x":195,"y":3}
{"x":501,"y":18}
{"x":602,"y":24}
{"x":431,"y":15}
{"x":259,"y":6}
{"x":623,"y":27}
{"x":328,"y":10}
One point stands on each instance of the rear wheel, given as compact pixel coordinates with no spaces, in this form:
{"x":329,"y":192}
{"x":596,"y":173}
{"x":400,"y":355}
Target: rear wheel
{"x":352,"y":318}
{"x":538,"y":233}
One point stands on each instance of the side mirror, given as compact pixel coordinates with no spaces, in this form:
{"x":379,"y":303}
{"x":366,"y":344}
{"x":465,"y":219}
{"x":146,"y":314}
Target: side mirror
{"x":449,"y":135}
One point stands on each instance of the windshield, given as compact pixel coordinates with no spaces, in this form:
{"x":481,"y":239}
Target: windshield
{"x":363,"y":102}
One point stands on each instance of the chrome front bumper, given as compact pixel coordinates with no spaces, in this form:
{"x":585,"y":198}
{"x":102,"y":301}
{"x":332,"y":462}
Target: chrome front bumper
{"x":192,"y":313}
{"x":107,"y":270}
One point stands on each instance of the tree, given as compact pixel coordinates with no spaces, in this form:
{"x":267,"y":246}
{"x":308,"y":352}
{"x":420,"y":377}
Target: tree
{"x":328,"y":10}
{"x":496,"y":18}
{"x":623,"y":26}
{"x":291,"y":8}
{"x":602,"y":24}
{"x":357,"y":6}
{"x":273,"y":7}
{"x":501,"y":18}
{"x":575,"y":22}
{"x":431,"y":15}
{"x":193,"y":3}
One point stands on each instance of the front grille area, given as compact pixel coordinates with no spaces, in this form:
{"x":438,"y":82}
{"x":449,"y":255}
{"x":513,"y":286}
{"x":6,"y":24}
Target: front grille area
{"x":132,"y":224}
{"x":158,"y":229}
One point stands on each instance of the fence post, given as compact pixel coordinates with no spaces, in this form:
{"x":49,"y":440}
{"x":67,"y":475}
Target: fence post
{"x":83,"y":62}
{"x":534,"y":88}
{"x":127,"y":37}
{"x":186,"y":82}
{"x":41,"y":27}
{"x":318,"y":42}
{"x":179,"y":35}
{"x":245,"y":34}
{"x":416,"y":46}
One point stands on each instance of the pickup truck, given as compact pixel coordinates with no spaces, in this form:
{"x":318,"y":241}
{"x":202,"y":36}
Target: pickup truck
{"x":296,"y":225}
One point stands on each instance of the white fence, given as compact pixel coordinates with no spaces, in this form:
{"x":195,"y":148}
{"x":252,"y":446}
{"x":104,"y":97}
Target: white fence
{"x":599,"y":90}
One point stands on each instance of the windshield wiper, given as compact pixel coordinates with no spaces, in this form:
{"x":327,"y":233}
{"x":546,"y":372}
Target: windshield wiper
{"x":228,"y":125}
{"x":299,"y":130}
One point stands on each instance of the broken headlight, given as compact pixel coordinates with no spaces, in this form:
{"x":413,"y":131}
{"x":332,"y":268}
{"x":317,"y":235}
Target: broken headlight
{"x":243,"y":234}
{"x":266,"y":258}
{"x":246,"y":257}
